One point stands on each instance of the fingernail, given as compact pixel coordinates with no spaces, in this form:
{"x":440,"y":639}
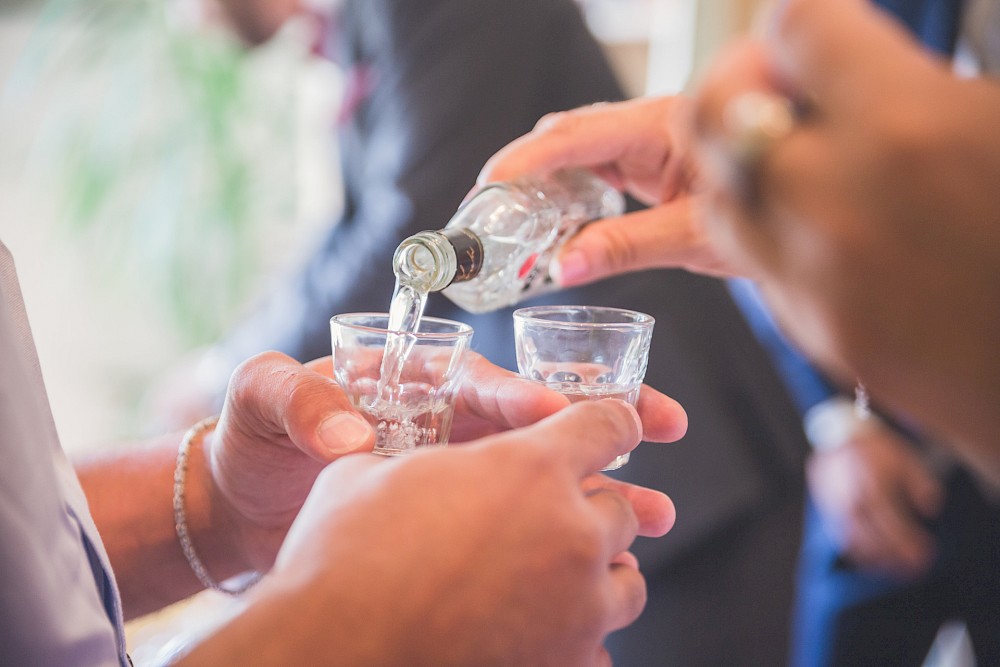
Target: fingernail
{"x":344,"y":432}
{"x":634,"y":413}
{"x":569,"y":268}
{"x":636,"y":418}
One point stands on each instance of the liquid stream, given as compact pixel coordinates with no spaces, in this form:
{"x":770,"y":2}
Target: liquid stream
{"x":395,"y":430}
{"x":405,"y":311}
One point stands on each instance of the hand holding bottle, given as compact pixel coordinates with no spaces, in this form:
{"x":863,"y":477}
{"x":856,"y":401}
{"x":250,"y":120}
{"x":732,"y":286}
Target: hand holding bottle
{"x":640,"y":147}
{"x":497,"y":249}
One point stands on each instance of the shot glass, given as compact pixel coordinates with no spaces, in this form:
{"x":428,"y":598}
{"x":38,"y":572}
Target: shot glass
{"x":584,"y":352}
{"x":405,"y":384}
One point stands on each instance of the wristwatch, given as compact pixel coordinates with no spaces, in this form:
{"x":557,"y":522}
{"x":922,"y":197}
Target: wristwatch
{"x":831,"y":423}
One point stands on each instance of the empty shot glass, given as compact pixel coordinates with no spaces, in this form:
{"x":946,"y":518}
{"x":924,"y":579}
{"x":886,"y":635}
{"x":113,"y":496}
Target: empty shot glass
{"x":584,"y":352}
{"x":405,"y":384}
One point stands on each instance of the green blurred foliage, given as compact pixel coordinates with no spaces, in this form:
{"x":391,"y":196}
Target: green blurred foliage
{"x":167,"y":148}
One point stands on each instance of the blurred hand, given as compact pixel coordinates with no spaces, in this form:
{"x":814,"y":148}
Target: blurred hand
{"x":872,"y":227}
{"x":872,"y":493}
{"x":639,"y":146}
{"x":505,"y":551}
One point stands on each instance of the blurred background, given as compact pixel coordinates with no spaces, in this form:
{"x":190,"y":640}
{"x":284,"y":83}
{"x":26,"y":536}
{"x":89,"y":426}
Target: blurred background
{"x":146,"y":163}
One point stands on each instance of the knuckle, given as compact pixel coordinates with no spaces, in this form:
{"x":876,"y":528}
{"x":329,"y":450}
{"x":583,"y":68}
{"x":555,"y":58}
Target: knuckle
{"x":559,"y":122}
{"x":615,"y":420}
{"x":624,"y":513}
{"x":306,"y":392}
{"x":583,"y":545}
{"x":550,"y":121}
{"x":529,"y":464}
{"x":248,"y":375}
{"x":537,"y":459}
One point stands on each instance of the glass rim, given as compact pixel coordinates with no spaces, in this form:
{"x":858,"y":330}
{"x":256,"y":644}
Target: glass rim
{"x":462,"y":330}
{"x":631,"y":319}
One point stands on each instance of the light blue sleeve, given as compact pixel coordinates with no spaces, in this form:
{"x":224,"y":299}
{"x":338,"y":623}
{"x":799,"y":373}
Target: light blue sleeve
{"x":58,"y":602}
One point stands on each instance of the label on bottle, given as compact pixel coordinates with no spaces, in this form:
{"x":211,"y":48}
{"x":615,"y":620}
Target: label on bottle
{"x":468,"y":253}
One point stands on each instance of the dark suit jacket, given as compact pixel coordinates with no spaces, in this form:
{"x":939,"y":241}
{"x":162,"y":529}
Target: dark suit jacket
{"x":436,"y":88}
{"x":934,"y":22}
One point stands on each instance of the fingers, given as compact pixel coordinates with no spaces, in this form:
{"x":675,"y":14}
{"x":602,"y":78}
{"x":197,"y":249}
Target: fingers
{"x":893,"y":540}
{"x":627,"y":588}
{"x":666,"y":236}
{"x":836,"y":61}
{"x":272,"y":393}
{"x":504,"y":398}
{"x":587,"y":137}
{"x":744,"y":68}
{"x":817,"y":42}
{"x":626,"y":558}
{"x":336,"y":487}
{"x":894,"y":536}
{"x":653,"y":510}
{"x":627,"y":591}
{"x":616,"y":517}
{"x":747,"y":210}
{"x":924,"y":492}
{"x":341,"y":477}
{"x":663,"y":418}
{"x":602,"y":658}
{"x":640,"y":146}
{"x":921,"y":492}
{"x":863,"y":487}
{"x":582,"y":438}
{"x":323,"y":366}
{"x":904,"y":540}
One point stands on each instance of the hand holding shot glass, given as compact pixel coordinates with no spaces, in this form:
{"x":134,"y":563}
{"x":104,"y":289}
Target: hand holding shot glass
{"x":584,"y":352}
{"x":405,"y":384}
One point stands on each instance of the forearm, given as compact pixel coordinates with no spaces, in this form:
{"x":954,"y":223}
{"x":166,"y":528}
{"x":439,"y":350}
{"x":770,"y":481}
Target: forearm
{"x":130,"y":492}
{"x":250,"y":637}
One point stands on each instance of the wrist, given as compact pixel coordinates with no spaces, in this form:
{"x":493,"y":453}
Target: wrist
{"x":206,"y":527}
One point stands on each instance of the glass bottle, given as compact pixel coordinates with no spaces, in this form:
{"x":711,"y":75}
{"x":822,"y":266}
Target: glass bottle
{"x":497,"y":248}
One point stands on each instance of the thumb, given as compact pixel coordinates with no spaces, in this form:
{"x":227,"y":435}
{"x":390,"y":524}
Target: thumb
{"x":273,"y":393}
{"x":844,"y":52}
{"x":665,"y":236}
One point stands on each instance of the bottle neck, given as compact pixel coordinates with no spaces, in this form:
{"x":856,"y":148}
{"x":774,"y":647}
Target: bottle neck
{"x":430,"y":261}
{"x":469,"y":254}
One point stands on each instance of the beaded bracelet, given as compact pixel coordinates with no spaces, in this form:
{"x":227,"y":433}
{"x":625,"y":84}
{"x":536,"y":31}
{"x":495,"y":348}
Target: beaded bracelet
{"x":180,"y":520}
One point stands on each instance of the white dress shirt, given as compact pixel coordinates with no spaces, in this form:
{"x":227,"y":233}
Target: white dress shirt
{"x":58,"y":599}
